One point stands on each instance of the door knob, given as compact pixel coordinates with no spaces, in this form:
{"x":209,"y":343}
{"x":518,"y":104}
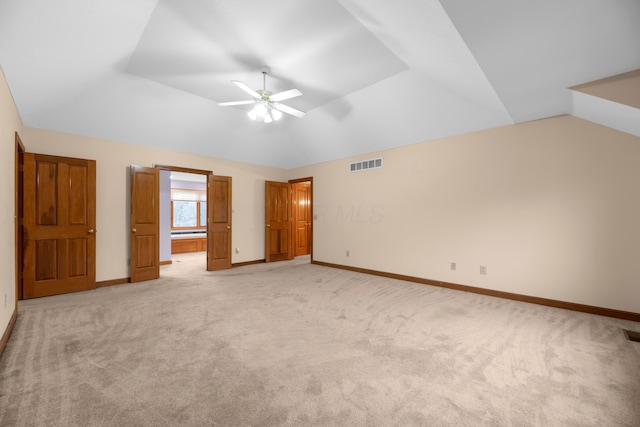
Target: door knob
{"x":91,"y":231}
{"x":228,"y":227}
{"x":133,"y":230}
{"x":268,"y":225}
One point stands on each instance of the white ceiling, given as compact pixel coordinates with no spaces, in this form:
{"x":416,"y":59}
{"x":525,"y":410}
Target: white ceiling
{"x":374,"y":74}
{"x":188,"y":177}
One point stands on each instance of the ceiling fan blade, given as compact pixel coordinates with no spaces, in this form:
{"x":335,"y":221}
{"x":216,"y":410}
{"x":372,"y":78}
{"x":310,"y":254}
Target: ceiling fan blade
{"x":227,"y":104}
{"x":289,"y":110}
{"x":246,"y":88}
{"x":287,"y":94}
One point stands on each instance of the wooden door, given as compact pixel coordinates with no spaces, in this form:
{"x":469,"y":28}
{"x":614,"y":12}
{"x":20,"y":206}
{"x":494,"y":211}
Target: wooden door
{"x":59,"y":225}
{"x":302,"y":217}
{"x":145,"y":223}
{"x":218,"y":222}
{"x":279,"y":221}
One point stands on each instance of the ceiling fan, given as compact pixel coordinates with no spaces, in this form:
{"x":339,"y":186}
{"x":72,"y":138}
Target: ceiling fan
{"x":267,"y":105}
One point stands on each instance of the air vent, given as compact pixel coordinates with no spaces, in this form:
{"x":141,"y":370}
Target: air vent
{"x":365,"y":165}
{"x":632,"y":335}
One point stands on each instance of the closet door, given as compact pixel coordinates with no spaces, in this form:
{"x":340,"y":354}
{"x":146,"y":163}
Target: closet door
{"x":279,"y":221}
{"x":59,"y":225}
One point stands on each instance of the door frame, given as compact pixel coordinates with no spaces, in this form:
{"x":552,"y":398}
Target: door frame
{"x":18,"y":218}
{"x":310,"y":181}
{"x":207,"y":173}
{"x":291,"y":225}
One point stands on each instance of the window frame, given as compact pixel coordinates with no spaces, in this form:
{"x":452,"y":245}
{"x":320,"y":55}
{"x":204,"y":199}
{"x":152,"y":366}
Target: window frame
{"x":199,"y":195}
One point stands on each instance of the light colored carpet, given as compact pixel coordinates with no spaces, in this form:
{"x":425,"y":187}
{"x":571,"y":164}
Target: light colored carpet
{"x":292,"y":343}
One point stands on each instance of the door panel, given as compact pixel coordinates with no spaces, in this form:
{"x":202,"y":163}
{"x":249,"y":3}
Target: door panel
{"x":78,"y":251}
{"x":145,"y":223}
{"x":46,"y":259}
{"x":302,"y":217}
{"x":77,"y":195}
{"x":59,"y":225}
{"x":220,"y":245}
{"x":279,"y":222}
{"x":219,"y":222}
{"x":144,"y":204}
{"x":145,"y":251}
{"x":46,"y":193}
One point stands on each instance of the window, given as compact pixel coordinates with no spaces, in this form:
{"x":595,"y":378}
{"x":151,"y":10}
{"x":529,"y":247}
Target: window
{"x":188,"y":209}
{"x":203,"y":214}
{"x":185,"y":214}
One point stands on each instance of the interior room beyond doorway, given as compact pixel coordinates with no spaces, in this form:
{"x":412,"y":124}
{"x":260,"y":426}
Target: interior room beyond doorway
{"x":183,"y":214}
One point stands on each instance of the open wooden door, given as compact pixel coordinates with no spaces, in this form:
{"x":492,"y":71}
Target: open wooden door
{"x":145,"y":223}
{"x":279,"y":221}
{"x":219,"y":222}
{"x":59,"y":225}
{"x":301,"y":199}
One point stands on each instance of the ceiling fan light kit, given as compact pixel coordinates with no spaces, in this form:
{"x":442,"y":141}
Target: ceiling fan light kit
{"x":267,"y":107}
{"x":264,"y":112}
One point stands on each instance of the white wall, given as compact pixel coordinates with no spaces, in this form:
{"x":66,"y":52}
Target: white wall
{"x":9,"y":124}
{"x":551,"y":208}
{"x":112,"y":182}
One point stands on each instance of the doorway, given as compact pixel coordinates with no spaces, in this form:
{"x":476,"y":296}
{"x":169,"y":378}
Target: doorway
{"x":55,"y":221}
{"x":288,"y":218}
{"x":198,"y":215}
{"x":183,"y":215}
{"x":302,"y":220}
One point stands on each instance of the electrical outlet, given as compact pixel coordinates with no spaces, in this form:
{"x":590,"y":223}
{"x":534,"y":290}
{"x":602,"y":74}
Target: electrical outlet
{"x":237,"y":250}
{"x":483,"y":269}
{"x":453,"y":266}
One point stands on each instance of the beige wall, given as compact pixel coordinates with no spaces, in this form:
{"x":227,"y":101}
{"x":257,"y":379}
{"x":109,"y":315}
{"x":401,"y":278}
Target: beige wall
{"x":551,"y":208}
{"x":623,"y":88}
{"x":9,"y":124}
{"x":112,"y":182}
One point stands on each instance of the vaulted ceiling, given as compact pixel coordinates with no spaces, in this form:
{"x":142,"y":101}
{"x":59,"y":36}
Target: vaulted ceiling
{"x":374,"y":74}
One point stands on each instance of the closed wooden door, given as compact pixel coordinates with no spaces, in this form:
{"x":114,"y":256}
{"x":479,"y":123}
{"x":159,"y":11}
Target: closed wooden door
{"x":145,"y":223}
{"x":302,"y":217}
{"x":59,"y":225}
{"x":279,"y":221}
{"x":219,"y":223}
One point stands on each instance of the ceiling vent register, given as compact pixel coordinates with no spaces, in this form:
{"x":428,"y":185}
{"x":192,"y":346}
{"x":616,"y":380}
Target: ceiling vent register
{"x":365,"y":165}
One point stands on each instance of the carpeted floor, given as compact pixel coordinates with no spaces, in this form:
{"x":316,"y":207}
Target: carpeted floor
{"x":296,"y":344}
